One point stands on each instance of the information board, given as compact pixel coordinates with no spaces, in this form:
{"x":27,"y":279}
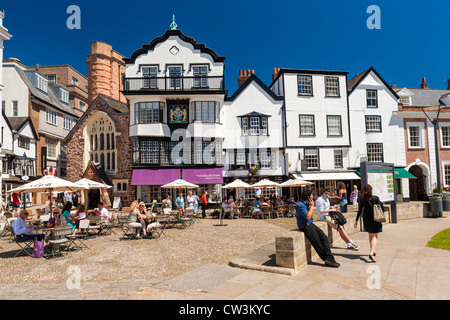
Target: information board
{"x":383,"y":185}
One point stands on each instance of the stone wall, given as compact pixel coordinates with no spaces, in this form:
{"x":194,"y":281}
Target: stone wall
{"x":76,"y":146}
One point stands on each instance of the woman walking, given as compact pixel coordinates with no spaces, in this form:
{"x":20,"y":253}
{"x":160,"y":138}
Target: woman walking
{"x":367,"y":202}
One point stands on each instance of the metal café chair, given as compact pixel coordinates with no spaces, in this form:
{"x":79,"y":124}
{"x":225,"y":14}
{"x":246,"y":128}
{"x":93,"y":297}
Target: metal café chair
{"x":60,"y":238}
{"x":265,"y":211}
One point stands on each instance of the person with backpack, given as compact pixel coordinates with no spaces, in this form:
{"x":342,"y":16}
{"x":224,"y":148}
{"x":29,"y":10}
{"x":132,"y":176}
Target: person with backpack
{"x":303,"y":212}
{"x":334,"y":218}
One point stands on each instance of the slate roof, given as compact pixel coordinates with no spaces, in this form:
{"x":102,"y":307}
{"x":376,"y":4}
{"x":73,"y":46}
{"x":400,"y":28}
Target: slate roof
{"x":425,"y":97}
{"x":50,"y":97}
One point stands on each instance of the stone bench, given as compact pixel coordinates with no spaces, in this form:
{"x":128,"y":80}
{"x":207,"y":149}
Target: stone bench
{"x":294,"y":251}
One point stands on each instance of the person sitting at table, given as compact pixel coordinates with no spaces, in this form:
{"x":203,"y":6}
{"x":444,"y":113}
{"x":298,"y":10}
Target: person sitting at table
{"x":133,"y":219}
{"x":241,"y":201}
{"x":71,"y":221}
{"x":230,"y":200}
{"x":180,"y":202}
{"x":79,"y":215}
{"x":168,"y":202}
{"x":102,"y":212}
{"x":246,"y":205}
{"x":22,"y":230}
{"x":290,"y":201}
{"x":154,"y":208}
{"x":226,"y":207}
{"x":142,"y":216}
{"x":256,"y":208}
{"x":190,"y":200}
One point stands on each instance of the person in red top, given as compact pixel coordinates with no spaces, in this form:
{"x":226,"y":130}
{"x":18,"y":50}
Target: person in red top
{"x":204,"y":202}
{"x":15,"y":202}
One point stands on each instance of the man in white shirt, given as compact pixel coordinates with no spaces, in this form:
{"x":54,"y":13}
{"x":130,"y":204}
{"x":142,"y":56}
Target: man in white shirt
{"x":22,"y":230}
{"x":103,"y":212}
{"x":323,"y":208}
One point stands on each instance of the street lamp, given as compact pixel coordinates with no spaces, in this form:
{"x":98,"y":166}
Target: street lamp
{"x":436,"y":144}
{"x":25,"y":178}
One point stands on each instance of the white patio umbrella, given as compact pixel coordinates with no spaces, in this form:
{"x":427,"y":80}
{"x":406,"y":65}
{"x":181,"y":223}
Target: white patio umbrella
{"x":297,"y":183}
{"x":180,"y":184}
{"x":237,"y":184}
{"x":265,"y":183}
{"x":89,"y":184}
{"x":47,"y":184}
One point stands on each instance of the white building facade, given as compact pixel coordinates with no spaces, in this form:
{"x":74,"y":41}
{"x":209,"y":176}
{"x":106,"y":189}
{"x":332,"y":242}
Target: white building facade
{"x":175,"y":88}
{"x":377,"y":132}
{"x":254,"y":132}
{"x":317,"y":136}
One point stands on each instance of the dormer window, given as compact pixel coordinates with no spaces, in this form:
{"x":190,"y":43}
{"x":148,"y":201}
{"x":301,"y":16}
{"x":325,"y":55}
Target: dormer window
{"x":254,"y":124}
{"x":150,"y":80}
{"x":405,"y":100}
{"x":41,"y":83}
{"x":64,"y":96}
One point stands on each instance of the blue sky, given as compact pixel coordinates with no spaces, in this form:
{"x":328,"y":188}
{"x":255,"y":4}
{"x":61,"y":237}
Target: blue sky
{"x":259,"y":35}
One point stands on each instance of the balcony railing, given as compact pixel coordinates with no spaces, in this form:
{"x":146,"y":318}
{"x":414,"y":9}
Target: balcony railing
{"x":174,"y":84}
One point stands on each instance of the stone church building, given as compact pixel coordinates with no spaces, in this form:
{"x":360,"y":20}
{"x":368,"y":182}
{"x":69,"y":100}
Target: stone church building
{"x":100,"y":142}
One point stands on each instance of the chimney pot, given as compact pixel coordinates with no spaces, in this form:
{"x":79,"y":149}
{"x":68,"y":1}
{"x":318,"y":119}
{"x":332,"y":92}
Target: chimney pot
{"x":424,"y":84}
{"x":253,"y":71}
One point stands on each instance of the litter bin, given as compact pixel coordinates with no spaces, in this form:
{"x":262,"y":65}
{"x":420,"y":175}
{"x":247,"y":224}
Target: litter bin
{"x":446,"y":202}
{"x":436,"y":205}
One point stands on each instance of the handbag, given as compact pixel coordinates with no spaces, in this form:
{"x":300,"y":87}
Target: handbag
{"x":378,"y":213}
{"x":38,"y":250}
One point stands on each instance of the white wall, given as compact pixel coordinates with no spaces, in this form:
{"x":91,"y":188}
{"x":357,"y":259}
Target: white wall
{"x":392,"y":134}
{"x":15,"y":89}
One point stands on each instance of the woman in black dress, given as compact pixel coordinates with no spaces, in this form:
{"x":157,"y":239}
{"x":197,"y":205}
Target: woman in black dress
{"x":370,"y":225}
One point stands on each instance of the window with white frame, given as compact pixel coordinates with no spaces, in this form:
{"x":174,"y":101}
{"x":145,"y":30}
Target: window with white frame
{"x":372,"y":98}
{"x":24,"y":142}
{"x":150,"y":77}
{"x":373,"y":123}
{"x":446,"y":171}
{"x":200,"y":76}
{"x":244,"y":125}
{"x":304,"y":85}
{"x":206,"y":111}
{"x":175,"y":77}
{"x":15,"y":108}
{"x":64,"y":96}
{"x":240,"y":160}
{"x":307,"y":125}
{"x":51,"y":117}
{"x":68,"y":123}
{"x":254,"y":126}
{"x":148,"y":112}
{"x":51,"y":78}
{"x":332,"y":86}
{"x":266,"y":159}
{"x":445,"y":134}
{"x":415,"y":134}
{"x":82,"y":105}
{"x":312,"y":158}
{"x":51,"y":148}
{"x":74,"y":81}
{"x":334,"y":125}
{"x":63,"y":150}
{"x":42,"y":83}
{"x":375,"y":152}
{"x":338,"y":162}
{"x":405,"y":100}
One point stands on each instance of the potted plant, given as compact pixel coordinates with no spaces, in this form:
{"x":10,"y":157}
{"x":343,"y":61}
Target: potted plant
{"x":253,"y":170}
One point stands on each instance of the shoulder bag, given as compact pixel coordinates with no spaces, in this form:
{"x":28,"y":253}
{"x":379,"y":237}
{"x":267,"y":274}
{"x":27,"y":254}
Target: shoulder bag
{"x":378,"y":213}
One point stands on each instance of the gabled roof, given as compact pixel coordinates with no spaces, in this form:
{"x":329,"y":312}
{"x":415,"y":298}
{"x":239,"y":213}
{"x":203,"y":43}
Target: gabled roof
{"x":254,"y":114}
{"x":426,"y":97}
{"x":49,"y":97}
{"x":252,"y":78}
{"x":116,"y":106}
{"x":17,"y":123}
{"x":354,"y":82}
{"x":308,"y":72}
{"x":148,"y":47}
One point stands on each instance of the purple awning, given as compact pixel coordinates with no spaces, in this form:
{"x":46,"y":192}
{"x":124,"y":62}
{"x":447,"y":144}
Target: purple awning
{"x":203,"y":175}
{"x":154,"y":177}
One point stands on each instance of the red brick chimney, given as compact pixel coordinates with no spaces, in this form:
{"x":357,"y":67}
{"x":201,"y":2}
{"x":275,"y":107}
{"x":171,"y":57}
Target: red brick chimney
{"x":276,"y":71}
{"x":105,"y":69}
{"x":243,"y":76}
{"x":424,"y":84}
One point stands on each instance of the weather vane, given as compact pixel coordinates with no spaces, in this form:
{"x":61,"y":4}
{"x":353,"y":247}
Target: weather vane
{"x":173,"y":25}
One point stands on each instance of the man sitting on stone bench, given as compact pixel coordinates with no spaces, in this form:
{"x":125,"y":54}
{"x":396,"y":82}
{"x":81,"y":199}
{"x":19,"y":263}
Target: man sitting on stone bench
{"x":303,"y":212}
